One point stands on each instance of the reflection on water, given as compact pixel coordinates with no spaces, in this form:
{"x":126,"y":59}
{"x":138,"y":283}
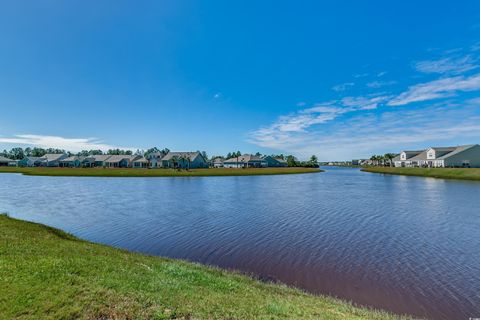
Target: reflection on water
{"x":406,"y":244}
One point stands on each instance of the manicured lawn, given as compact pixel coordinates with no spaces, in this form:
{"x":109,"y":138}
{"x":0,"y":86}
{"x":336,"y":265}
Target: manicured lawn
{"x":445,"y":173}
{"x":48,"y":274}
{"x":130,"y":172}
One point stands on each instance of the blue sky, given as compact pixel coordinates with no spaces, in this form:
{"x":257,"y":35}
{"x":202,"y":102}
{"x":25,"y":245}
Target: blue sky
{"x":341,"y":80}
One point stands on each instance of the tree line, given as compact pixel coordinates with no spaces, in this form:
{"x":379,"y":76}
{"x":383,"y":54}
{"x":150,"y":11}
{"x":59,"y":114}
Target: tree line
{"x":18,"y":153}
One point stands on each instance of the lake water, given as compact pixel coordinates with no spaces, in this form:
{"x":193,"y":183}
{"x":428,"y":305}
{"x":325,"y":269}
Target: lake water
{"x":405,"y":244}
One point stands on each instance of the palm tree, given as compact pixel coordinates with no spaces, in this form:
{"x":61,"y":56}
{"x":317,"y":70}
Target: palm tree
{"x":314,"y":160}
{"x":174,"y":161}
{"x":389,"y":157}
{"x":187,"y":159}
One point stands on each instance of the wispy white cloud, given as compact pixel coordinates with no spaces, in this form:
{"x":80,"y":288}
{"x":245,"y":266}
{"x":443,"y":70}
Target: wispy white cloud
{"x":364,"y":103}
{"x":379,"y":84}
{"x":447,"y":65}
{"x":348,"y":127}
{"x":367,"y":133}
{"x":442,"y":88}
{"x":343,"y":86}
{"x":69,"y":144}
{"x":286,"y":128}
{"x":360,"y":75}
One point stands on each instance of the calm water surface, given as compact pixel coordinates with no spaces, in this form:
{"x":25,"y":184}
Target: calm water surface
{"x":405,"y":244}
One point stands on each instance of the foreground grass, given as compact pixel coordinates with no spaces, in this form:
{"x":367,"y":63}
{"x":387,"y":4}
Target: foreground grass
{"x":130,"y":172}
{"x":48,"y":274}
{"x":445,"y":173}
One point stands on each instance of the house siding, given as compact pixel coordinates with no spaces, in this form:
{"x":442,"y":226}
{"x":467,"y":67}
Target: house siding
{"x":472,"y":155}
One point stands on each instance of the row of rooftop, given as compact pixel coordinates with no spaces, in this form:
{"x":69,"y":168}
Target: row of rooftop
{"x":440,"y":157}
{"x":464,"y":156}
{"x":176,"y":160}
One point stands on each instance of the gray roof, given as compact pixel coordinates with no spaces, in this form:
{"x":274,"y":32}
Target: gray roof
{"x":412,"y":153}
{"x":457,"y":150}
{"x":244,"y":159}
{"x":53,"y":156}
{"x":69,"y":159}
{"x":448,"y":149}
{"x":189,"y":155}
{"x":101,"y":157}
{"x":34,"y":158}
{"x":118,"y":158}
{"x":218,"y":160}
{"x":3,"y":159}
{"x":397,"y":158}
{"x":421,"y":156}
{"x":141,"y":159}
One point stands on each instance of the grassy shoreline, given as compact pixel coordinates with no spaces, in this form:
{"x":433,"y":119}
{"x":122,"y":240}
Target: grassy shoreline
{"x":472,"y":174}
{"x":46,"y":273}
{"x":130,"y":172}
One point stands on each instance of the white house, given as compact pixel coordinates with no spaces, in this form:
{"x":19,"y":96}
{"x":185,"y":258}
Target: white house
{"x":461,"y":156}
{"x":439,"y":157}
{"x":155,"y":159}
{"x":217,"y":163}
{"x":405,"y":156}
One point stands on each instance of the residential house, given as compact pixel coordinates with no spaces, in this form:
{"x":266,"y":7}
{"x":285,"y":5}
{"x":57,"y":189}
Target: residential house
{"x":420,"y":160}
{"x":155,"y":159}
{"x":461,"y":156}
{"x":52,"y":159}
{"x":30,"y":161}
{"x":217,"y":163}
{"x":275,"y":162}
{"x":356,"y":162}
{"x":6,"y":162}
{"x":120,"y":161}
{"x":87,"y":162}
{"x":405,"y":157}
{"x":184,"y":160}
{"x":139,"y":162}
{"x":99,"y":160}
{"x":245,"y":161}
{"x":439,"y":157}
{"x":72,"y":162}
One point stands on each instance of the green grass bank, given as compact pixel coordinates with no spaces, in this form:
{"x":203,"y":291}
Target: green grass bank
{"x":444,"y":173}
{"x":48,"y":274}
{"x":130,"y":172}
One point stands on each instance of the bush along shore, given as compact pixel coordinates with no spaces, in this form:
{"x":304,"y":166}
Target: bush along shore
{"x":131,"y":172}
{"x":444,"y":173}
{"x":47,"y":273}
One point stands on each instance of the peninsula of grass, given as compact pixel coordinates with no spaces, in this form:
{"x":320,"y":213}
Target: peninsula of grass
{"x":131,"y":172}
{"x":48,"y":274}
{"x":444,"y":173}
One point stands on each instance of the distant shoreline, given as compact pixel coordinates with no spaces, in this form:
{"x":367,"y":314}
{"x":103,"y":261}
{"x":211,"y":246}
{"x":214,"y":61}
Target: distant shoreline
{"x":472,"y":174}
{"x":131,"y":172}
